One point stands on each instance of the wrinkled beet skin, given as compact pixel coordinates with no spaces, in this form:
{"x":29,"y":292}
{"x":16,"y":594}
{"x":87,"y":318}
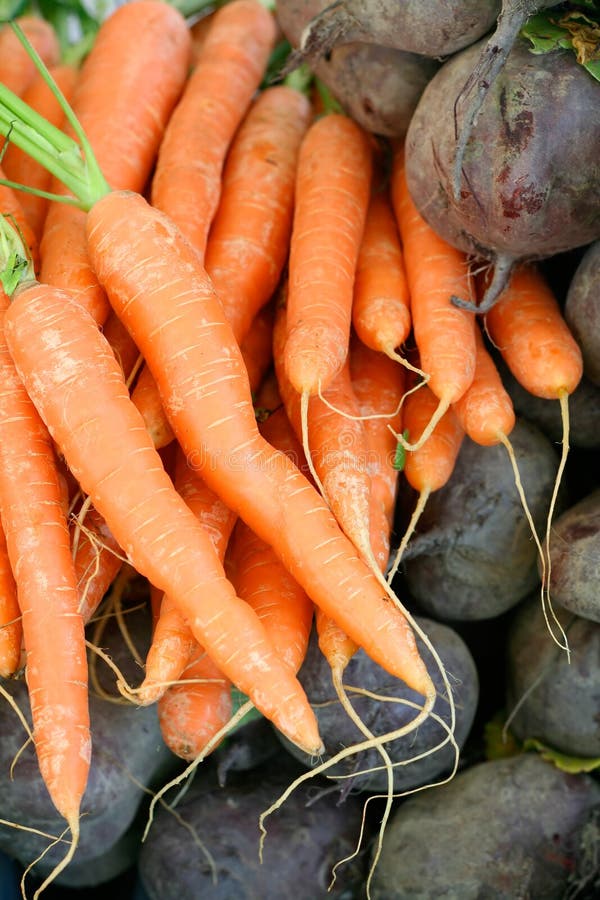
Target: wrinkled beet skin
{"x":582,"y":310}
{"x":558,"y":700}
{"x":502,"y":829}
{"x":427,"y":27}
{"x":483,"y":560}
{"x":531,"y":185}
{"x":575,"y":558}
{"x":338,"y":731}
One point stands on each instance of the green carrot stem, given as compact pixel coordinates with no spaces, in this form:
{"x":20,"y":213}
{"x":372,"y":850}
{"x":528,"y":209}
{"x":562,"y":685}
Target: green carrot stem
{"x":16,"y":266}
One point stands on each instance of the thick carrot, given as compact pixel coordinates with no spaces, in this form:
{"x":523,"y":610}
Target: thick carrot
{"x":126,"y":90}
{"x":381,"y":303}
{"x":249,"y":238}
{"x":18,"y":165}
{"x":532,"y":336}
{"x":379,"y":384}
{"x":17,"y":69}
{"x":11,"y":631}
{"x":37,"y":537}
{"x":180,"y":329}
{"x":230,"y":66}
{"x":485,"y":410}
{"x":444,"y":334}
{"x":73,"y":378}
{"x":332,"y":193}
{"x":429,"y":467}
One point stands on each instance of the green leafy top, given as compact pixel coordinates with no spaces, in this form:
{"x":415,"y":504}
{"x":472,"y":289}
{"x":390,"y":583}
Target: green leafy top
{"x":573,"y":27}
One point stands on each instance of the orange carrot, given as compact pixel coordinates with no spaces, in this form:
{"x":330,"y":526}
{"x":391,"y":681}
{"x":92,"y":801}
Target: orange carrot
{"x":122,"y":344}
{"x":332,"y":193}
{"x":381,"y":303}
{"x":173,"y":641}
{"x":249,"y":237}
{"x":37,"y":538}
{"x":337,"y":446}
{"x":18,"y":165}
{"x":73,"y":378}
{"x":97,"y":558}
{"x":147,"y":400}
{"x":181,"y":332}
{"x":530,"y":332}
{"x":17,"y":69}
{"x":10,"y":616}
{"x":125,"y":93}
{"x":378,"y":384}
{"x":12,"y":208}
{"x":444,"y":334}
{"x":485,"y":410}
{"x":429,"y":467}
{"x":187,"y":180}
{"x":256,"y":347}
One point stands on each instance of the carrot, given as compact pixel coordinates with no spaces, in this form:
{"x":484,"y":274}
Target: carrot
{"x":532,"y":336}
{"x":256,"y":347}
{"x":249,"y":238}
{"x":336,"y":450}
{"x":122,"y":344}
{"x":37,"y":538}
{"x":435,"y":271}
{"x":378,"y":385}
{"x":187,"y":181}
{"x":78,"y":387}
{"x":11,"y":208}
{"x":97,"y":559}
{"x":147,"y":400}
{"x":260,"y":579}
{"x":429,"y":467}
{"x":125,"y":93}
{"x":173,"y":641}
{"x":332,"y":193}
{"x":17,"y":70}
{"x":485,"y":410}
{"x":381,"y":303}
{"x":10,"y":616}
{"x":18,"y":165}
{"x":205,"y":392}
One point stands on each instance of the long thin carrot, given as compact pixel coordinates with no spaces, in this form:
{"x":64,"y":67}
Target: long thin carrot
{"x":37,"y":538}
{"x":11,"y":631}
{"x":435,"y":272}
{"x":77,"y":385}
{"x":180,"y":329}
{"x":228,"y":71}
{"x":125,"y":94}
{"x":12,"y":208}
{"x":379,"y":384}
{"x":97,"y":559}
{"x":381,"y":303}
{"x":429,"y":467}
{"x":249,"y":238}
{"x":332,"y":193}
{"x":17,"y":70}
{"x":18,"y":165}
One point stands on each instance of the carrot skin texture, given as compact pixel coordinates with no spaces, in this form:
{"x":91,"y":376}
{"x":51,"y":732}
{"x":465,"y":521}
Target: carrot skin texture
{"x":381,"y":301}
{"x":431,"y":466}
{"x":37,"y":538}
{"x":77,"y":385}
{"x":17,"y":69}
{"x":11,"y":631}
{"x":533,"y":337}
{"x":22,"y":168}
{"x":485,"y":410}
{"x":212,"y":415}
{"x":97,"y":560}
{"x":444,"y":334}
{"x":249,"y":238}
{"x":332,"y":193}
{"x":123,"y":123}
{"x":187,"y":181}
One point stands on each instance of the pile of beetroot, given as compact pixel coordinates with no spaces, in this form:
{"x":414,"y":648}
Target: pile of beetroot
{"x":486,"y":187}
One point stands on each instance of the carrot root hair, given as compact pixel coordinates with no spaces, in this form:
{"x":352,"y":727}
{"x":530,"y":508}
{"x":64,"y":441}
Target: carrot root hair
{"x":416,"y":515}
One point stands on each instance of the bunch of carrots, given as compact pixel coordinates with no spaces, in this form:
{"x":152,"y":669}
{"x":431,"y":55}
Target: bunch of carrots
{"x":208,"y":290}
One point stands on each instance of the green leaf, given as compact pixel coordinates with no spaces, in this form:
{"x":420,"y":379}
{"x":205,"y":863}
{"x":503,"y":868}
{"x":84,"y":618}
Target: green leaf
{"x":573,"y":30}
{"x":572,"y":764}
{"x":400,"y":454}
{"x":545,"y":36}
{"x":498,"y":740}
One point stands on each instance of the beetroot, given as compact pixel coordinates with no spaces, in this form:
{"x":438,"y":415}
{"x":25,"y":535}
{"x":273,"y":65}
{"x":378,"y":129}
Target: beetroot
{"x":531,"y":173}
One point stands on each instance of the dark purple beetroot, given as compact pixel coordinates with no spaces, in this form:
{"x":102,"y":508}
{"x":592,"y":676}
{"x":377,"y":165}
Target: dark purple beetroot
{"x":582,"y":310}
{"x":531,"y":172}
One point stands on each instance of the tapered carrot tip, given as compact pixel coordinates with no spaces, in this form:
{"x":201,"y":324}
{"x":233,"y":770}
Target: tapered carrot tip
{"x":314,"y":356}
